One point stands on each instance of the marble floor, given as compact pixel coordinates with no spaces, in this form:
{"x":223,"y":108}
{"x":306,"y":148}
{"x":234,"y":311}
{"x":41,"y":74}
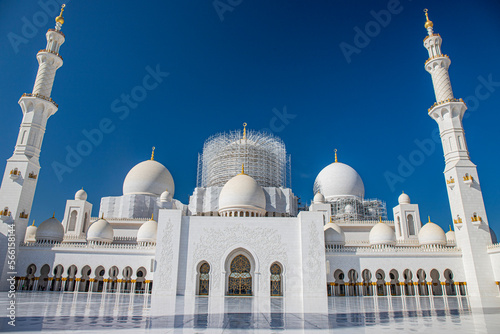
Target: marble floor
{"x":110,"y":313}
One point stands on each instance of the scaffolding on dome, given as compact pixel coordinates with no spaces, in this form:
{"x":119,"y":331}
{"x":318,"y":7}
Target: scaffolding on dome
{"x":263,"y":155}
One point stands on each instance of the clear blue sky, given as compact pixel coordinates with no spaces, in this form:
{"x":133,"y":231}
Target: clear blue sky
{"x":262,"y":55}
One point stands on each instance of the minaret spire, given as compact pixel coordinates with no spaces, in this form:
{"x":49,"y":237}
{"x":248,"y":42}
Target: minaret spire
{"x":464,"y":194}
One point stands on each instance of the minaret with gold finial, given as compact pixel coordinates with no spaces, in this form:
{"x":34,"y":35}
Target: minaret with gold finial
{"x":461,"y":177}
{"x":22,"y":169}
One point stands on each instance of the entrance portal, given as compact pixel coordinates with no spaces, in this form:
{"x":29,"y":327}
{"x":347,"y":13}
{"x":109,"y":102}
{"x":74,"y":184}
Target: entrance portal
{"x":240,"y":280}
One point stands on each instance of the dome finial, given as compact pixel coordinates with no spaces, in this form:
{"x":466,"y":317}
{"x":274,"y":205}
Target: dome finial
{"x":336,"y":155}
{"x":429,"y":219}
{"x":60,"y":18}
{"x":245,"y":130}
{"x":33,"y":223}
{"x":54,"y":214}
{"x":380,"y":219}
{"x":450,"y":227}
{"x":428,"y":23}
{"x":153,"y":153}
{"x":242,"y":169}
{"x":102,"y":215}
{"x":152,"y":215}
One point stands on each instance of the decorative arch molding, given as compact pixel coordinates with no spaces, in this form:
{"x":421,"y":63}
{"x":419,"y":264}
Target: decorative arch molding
{"x":254,"y":269}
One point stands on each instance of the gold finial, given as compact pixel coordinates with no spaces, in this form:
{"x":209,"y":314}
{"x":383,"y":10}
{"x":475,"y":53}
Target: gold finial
{"x":33,"y":223}
{"x":428,"y":23}
{"x":152,"y":215}
{"x":380,"y":219}
{"x":336,"y":155}
{"x":429,"y":219}
{"x":60,"y":18}
{"x":54,"y":214}
{"x":450,"y":228}
{"x":102,"y":215}
{"x":242,"y":169}
{"x":403,"y":192}
{"x":153,"y":153}
{"x":244,"y":130}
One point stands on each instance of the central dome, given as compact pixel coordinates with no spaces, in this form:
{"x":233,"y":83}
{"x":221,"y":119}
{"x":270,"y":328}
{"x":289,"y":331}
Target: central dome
{"x":242,"y":194}
{"x":148,"y":178}
{"x":339,"y":180}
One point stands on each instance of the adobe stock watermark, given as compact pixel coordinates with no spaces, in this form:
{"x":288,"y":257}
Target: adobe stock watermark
{"x":279,"y":121}
{"x":122,"y":107}
{"x":11,"y":273}
{"x":426,"y":147}
{"x":223,"y":6}
{"x":371,"y":29}
{"x":32,"y":25}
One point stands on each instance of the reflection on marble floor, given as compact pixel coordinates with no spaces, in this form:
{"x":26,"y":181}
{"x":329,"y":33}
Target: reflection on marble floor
{"x":101,"y":313}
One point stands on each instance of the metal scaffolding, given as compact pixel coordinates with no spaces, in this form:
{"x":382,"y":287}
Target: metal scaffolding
{"x":263,"y":155}
{"x":355,"y":208}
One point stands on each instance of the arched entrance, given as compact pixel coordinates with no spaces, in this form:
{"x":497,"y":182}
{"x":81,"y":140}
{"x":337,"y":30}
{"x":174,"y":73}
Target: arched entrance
{"x":240,"y":279}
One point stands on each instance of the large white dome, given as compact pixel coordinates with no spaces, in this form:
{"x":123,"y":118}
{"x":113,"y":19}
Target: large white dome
{"x":242,"y":193}
{"x":100,"y":231}
{"x":382,"y":234}
{"x":50,"y":230}
{"x":339,"y":180}
{"x":431,"y":234}
{"x":148,"y":178}
{"x":147,"y":231}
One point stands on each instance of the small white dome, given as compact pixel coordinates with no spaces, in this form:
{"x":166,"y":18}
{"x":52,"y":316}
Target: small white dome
{"x":100,"y":230}
{"x":349,"y":208}
{"x":431,"y":234}
{"x":334,"y":234}
{"x":450,"y":237}
{"x":165,"y":196}
{"x":147,"y":232}
{"x":242,"y":193}
{"x":404,"y":199}
{"x":319,"y":198}
{"x":50,"y":230}
{"x":81,"y":195}
{"x":31,"y":233}
{"x":382,"y":234}
{"x":148,"y":178}
{"x":339,"y":180}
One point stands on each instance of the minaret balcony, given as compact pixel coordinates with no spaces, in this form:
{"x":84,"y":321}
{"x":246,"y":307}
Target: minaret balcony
{"x":14,"y":174}
{"x":457,"y":221}
{"x":443,"y":102}
{"x":23,"y":215}
{"x":32,"y":176}
{"x":436,"y":57}
{"x":41,"y":97}
{"x":50,"y":51}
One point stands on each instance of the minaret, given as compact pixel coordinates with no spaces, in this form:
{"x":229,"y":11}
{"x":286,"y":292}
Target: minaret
{"x":22,"y":169}
{"x":462,"y":181}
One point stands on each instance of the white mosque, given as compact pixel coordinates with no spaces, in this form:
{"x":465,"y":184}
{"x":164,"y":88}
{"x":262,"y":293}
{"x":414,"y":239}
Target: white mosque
{"x":242,"y":232}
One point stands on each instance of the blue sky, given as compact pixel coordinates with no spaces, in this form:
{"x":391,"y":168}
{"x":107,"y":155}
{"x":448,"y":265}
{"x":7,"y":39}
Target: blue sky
{"x":247,"y":61}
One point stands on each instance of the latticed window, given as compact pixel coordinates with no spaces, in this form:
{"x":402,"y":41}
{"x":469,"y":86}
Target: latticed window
{"x":276,"y":280}
{"x":240,"y":280}
{"x":204,"y":279}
